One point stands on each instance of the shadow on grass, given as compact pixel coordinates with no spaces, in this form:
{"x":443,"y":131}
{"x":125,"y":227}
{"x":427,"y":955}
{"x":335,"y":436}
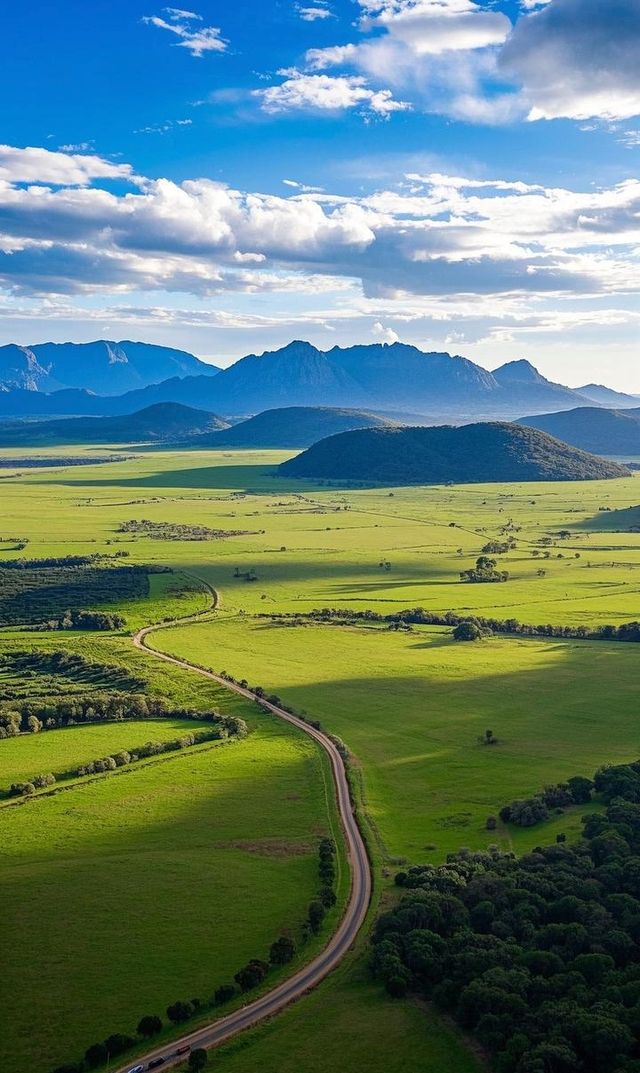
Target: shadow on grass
{"x":242,"y":479}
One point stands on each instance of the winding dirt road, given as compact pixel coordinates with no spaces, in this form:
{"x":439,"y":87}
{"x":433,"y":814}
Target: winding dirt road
{"x":310,"y":975}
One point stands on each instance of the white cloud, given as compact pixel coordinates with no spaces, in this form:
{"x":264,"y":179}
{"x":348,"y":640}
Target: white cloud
{"x":386,"y":335}
{"x":197,"y":39}
{"x":36,"y":165}
{"x":326,"y":93}
{"x":164,"y":128}
{"x":432,"y":239}
{"x":436,"y":26}
{"x":577,"y":59}
{"x":303,"y":188}
{"x":312,"y":14}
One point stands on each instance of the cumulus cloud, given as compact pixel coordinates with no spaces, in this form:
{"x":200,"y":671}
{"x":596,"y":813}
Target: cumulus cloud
{"x":436,"y":26}
{"x":433,"y":236}
{"x":385,"y":335}
{"x":36,"y":165}
{"x":575,"y":59}
{"x":578,"y":59}
{"x":197,"y":39}
{"x":328,"y":94}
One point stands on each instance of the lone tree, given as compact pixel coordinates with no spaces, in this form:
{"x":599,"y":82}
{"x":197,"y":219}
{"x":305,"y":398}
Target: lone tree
{"x":484,"y":571}
{"x":198,"y":1059}
{"x":467,"y":631}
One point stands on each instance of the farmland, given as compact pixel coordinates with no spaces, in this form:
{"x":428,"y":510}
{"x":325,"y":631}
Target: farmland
{"x":199,"y":828}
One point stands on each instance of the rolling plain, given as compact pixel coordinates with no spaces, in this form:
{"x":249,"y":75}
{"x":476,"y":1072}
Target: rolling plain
{"x":163,"y":879}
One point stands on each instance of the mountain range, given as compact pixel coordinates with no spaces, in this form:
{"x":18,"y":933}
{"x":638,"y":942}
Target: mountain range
{"x":104,"y":378}
{"x":478,"y":453}
{"x":103,"y":367}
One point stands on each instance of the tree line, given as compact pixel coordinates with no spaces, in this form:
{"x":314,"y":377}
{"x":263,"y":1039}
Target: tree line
{"x":122,"y":758}
{"x":55,"y":713}
{"x":74,"y":619}
{"x":418,"y":616}
{"x":538,"y":957}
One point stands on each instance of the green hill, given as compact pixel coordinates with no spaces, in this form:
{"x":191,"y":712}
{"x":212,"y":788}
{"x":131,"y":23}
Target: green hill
{"x":294,"y":426}
{"x":478,"y":453}
{"x":607,"y":432}
{"x":162,"y":422}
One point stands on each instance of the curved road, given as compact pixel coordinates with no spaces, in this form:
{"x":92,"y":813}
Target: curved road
{"x":311,"y":974}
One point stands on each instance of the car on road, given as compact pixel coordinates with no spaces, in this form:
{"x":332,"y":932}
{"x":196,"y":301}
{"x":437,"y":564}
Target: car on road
{"x":137,"y":1069}
{"x":183,"y":1050}
{"x":155,"y":1062}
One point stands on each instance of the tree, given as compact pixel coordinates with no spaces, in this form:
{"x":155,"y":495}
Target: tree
{"x":148,"y":1026}
{"x":251,"y":975}
{"x":316,"y":915}
{"x":118,"y":1043}
{"x":467,"y":631}
{"x":198,"y":1059}
{"x":223,"y":994}
{"x":179,"y":1012}
{"x":95,"y":1055}
{"x":282,"y":951}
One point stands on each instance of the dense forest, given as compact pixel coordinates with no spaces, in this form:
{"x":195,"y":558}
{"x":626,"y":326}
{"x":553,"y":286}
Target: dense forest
{"x":538,"y":957}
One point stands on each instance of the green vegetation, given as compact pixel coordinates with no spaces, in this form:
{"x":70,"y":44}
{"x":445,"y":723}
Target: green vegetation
{"x":539,"y":956}
{"x":210,"y":854}
{"x":171,"y":531}
{"x":66,"y":750}
{"x":411,"y":708}
{"x":36,"y":594}
{"x":471,"y":453}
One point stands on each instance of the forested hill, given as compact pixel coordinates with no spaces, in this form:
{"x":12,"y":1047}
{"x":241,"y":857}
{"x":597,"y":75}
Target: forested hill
{"x":294,"y":426}
{"x":472,"y":453}
{"x":165,"y":421}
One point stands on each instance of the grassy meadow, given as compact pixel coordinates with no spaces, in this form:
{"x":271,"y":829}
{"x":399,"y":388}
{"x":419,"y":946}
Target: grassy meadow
{"x":166,"y":879}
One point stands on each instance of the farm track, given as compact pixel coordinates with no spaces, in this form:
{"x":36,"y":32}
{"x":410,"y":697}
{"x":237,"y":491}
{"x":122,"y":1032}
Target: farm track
{"x":310,"y":975}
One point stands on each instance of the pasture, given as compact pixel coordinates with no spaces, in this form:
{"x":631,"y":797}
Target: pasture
{"x":182,"y":867}
{"x":412,"y":707}
{"x":157,"y":882}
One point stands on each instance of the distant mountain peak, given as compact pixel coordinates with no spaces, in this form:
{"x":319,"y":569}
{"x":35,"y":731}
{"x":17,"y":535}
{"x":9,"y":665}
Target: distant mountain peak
{"x":520,"y":370}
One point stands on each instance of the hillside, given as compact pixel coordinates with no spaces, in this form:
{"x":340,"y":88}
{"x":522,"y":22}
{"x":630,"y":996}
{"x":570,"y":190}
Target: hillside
{"x":164,"y":422}
{"x":469,"y":454}
{"x":608,"y":432}
{"x":606,"y":396}
{"x":103,"y":366}
{"x":293,"y":426}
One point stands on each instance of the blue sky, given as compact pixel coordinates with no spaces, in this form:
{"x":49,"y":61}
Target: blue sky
{"x":224,"y":178}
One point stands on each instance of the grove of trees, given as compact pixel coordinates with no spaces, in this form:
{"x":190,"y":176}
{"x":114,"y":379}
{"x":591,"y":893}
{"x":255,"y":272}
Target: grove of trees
{"x":537,"y":957}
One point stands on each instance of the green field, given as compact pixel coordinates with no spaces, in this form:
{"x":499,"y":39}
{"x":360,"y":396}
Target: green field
{"x":156,"y":882}
{"x":412,"y":707}
{"x":62,"y":750}
{"x":171,"y":844}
